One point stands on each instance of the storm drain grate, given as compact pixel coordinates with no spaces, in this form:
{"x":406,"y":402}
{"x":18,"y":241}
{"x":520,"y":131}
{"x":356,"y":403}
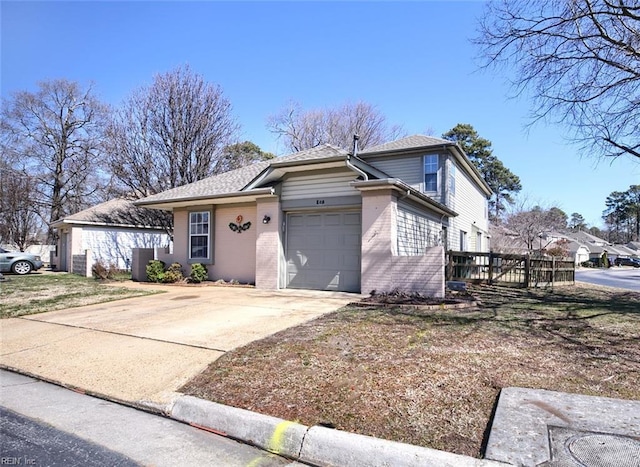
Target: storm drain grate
{"x":574,"y":448}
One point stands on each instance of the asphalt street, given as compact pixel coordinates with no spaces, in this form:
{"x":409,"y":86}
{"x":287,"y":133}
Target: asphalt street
{"x":622,"y":278}
{"x":45,"y":425}
{"x":29,"y":442}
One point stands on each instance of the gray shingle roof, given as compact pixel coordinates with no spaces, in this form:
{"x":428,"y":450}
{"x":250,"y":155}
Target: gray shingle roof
{"x":235,"y":180}
{"x":410,"y":142}
{"x":323,"y":151}
{"x":228,"y":182}
{"x":585,"y":237}
{"x":120,"y":212}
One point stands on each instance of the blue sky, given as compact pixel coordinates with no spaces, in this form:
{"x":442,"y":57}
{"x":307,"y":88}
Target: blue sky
{"x":413,"y":60}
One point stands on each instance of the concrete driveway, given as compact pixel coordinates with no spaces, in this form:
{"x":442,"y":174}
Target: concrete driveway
{"x":141,"y":350}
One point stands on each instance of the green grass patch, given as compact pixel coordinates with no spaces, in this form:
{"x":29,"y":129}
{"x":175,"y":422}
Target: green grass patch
{"x":38,"y":293}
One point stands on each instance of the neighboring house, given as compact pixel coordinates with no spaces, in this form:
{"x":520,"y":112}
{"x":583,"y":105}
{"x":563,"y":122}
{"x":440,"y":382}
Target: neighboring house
{"x":327,"y":219}
{"x":565,"y":241}
{"x":109,"y":231}
{"x":576,"y":250}
{"x":625,"y":250}
{"x":504,"y":240}
{"x":587,"y":239}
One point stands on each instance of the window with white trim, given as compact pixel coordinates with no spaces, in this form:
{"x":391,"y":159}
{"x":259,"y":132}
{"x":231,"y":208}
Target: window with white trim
{"x":199,"y":234}
{"x":431,"y":173}
{"x":463,"y":240}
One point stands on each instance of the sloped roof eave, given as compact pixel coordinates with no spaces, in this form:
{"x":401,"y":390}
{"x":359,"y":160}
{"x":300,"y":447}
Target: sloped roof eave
{"x":62,"y":222}
{"x":166,"y":204}
{"x":459,"y":154}
{"x":398,"y":185}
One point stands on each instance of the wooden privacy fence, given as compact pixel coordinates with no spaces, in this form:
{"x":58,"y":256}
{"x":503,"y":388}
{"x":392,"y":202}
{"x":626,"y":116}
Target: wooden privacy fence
{"x":501,"y":268}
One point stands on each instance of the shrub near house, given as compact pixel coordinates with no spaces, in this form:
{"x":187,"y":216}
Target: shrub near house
{"x":158,"y":272}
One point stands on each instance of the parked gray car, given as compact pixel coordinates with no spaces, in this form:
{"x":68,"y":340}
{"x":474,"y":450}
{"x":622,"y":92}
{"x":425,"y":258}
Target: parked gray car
{"x":18,"y":262}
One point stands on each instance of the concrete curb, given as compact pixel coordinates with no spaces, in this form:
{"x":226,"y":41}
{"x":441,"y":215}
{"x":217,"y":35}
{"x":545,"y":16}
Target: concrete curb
{"x":315,"y":445}
{"x":269,"y":433}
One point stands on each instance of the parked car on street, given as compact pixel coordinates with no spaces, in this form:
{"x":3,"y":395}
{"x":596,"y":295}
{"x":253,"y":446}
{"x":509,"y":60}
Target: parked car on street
{"x":19,"y":262}
{"x":591,"y":263}
{"x":635,"y":262}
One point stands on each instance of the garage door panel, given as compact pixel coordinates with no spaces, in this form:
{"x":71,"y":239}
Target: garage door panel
{"x":333,"y":219}
{"x":296,"y":221}
{"x":335,"y":242}
{"x":352,"y":218}
{"x":323,"y":251}
{"x":351,"y":261}
{"x":352,"y":241}
{"x":313,"y":221}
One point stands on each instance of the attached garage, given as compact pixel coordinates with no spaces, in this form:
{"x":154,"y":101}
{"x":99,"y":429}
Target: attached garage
{"x":323,"y":250}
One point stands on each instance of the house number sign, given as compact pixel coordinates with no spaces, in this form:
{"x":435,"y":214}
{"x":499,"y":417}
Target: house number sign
{"x":239,"y":227}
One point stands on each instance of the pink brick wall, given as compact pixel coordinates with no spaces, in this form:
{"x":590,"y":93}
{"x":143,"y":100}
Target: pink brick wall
{"x":382,"y":269}
{"x":235,"y":253}
{"x":268,"y":247}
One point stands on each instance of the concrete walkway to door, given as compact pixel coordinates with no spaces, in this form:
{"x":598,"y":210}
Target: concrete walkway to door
{"x":141,"y":350}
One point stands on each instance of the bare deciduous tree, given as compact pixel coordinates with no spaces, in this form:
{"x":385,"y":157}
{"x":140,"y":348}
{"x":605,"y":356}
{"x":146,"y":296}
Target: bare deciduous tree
{"x":55,"y":135}
{"x":20,"y":222}
{"x":169,"y":134}
{"x":579,"y":59}
{"x":302,"y":129}
{"x":528,"y":225}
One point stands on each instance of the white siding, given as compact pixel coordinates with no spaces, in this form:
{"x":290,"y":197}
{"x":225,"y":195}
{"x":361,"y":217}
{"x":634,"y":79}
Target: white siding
{"x":407,"y":169}
{"x":471,"y":206}
{"x":314,"y":185}
{"x":114,"y":245}
{"x":416,"y":232}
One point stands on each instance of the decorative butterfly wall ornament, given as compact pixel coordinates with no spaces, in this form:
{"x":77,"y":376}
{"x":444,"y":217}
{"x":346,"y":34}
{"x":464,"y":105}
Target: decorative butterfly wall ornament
{"x":239,"y":226}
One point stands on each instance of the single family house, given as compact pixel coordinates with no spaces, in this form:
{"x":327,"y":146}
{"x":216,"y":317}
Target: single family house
{"x":328,"y":219}
{"x":106,"y":233}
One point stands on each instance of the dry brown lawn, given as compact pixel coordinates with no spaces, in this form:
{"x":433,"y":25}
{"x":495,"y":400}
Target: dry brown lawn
{"x":431,"y":378}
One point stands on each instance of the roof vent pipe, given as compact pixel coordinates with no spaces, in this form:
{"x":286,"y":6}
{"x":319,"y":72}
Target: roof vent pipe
{"x":355,"y":145}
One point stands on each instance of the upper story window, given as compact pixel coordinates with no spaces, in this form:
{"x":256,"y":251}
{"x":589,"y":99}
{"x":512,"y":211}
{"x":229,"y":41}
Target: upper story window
{"x":431,"y":172}
{"x":199,"y":234}
{"x":452,"y":179}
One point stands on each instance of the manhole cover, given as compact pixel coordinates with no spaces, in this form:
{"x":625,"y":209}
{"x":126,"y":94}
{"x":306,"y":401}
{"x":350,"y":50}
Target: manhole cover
{"x":575,"y":448}
{"x":598,"y":450}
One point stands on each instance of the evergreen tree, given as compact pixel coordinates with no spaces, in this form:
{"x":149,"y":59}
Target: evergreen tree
{"x":504,"y":183}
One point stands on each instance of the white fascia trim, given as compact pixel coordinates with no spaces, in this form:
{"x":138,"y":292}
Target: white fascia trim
{"x":222,"y":198}
{"x":409,"y":192}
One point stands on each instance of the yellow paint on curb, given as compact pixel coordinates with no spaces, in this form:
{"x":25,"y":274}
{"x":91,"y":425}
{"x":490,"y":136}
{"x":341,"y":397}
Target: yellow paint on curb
{"x":277,"y":438}
{"x":275,"y":444}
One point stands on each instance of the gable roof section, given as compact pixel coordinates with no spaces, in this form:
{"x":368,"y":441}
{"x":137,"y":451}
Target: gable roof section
{"x":246,"y":181}
{"x":118,"y":212}
{"x":409,"y":142}
{"x":585,"y":237}
{"x":416,"y":143}
{"x":634,"y":245}
{"x":324,"y":151}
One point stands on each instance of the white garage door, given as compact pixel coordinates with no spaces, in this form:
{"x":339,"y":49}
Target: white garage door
{"x":323,"y":251}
